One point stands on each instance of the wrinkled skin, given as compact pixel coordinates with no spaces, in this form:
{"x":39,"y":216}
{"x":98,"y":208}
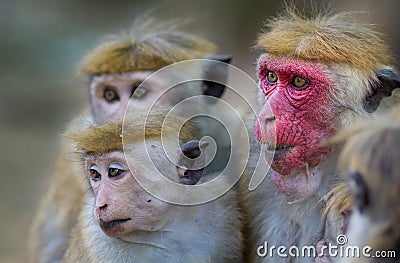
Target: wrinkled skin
{"x":295,"y":122}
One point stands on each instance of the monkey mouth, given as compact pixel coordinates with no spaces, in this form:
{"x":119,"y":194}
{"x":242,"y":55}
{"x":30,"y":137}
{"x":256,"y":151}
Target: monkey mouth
{"x":107,"y":225}
{"x":278,"y":149}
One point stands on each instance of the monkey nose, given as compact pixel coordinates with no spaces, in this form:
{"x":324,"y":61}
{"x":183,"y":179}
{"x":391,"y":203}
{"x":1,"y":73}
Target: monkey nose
{"x":264,"y":128}
{"x":103,"y":206}
{"x":101,"y":209}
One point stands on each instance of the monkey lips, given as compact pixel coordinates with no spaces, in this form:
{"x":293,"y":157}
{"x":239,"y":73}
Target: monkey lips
{"x":295,"y":172}
{"x":113,"y":228}
{"x":302,"y":181}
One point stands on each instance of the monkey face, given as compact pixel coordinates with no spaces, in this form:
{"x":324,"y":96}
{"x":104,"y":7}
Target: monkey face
{"x":295,"y":121}
{"x":110,"y":94}
{"x":370,"y":160}
{"x":296,"y":117}
{"x":122,"y":206}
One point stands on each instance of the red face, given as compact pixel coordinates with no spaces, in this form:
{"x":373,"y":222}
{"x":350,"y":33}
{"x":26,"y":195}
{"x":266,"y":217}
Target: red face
{"x":296,"y":118}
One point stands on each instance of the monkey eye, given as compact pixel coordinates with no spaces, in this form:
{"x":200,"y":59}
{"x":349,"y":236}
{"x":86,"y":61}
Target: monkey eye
{"x":139,"y":91}
{"x":115,"y":169}
{"x":360,"y":191}
{"x":271,"y":77}
{"x":299,"y":82}
{"x":110,"y":94}
{"x":94,"y":174}
{"x":114,"y":172}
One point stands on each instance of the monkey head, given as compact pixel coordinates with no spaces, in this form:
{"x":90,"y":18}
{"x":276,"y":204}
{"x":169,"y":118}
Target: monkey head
{"x":117,"y":68}
{"x":297,"y":116}
{"x":120,"y":204}
{"x":315,"y":77}
{"x":111,"y":93}
{"x":370,"y":160}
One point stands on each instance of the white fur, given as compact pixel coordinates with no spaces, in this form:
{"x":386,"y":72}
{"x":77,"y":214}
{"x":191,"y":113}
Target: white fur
{"x":203,"y":233}
{"x":279,"y":221}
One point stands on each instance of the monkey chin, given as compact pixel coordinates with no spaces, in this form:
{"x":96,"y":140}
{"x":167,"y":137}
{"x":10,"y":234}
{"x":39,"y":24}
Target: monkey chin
{"x":115,"y":228}
{"x":300,"y":181}
{"x":290,"y":160}
{"x":300,"y":185}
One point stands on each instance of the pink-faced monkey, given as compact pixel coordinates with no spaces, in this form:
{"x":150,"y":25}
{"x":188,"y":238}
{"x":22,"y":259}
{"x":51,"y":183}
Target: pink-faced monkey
{"x":317,"y":75}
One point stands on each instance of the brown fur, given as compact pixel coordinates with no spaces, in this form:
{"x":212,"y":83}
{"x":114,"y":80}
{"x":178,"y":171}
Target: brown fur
{"x":58,"y":209}
{"x":208,"y":232}
{"x":58,"y":195}
{"x":150,"y":47}
{"x":368,"y":151}
{"x":108,"y":137}
{"x":330,"y":39}
{"x":374,"y":153}
{"x":351,"y":56}
{"x":338,"y":200}
{"x":98,"y":139}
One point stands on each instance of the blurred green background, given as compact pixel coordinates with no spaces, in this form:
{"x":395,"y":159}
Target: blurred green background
{"x":41,"y":45}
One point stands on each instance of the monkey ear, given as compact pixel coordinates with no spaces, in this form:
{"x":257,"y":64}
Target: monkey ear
{"x":360,"y":191}
{"x":217,"y":71}
{"x":191,"y":150}
{"x":388,"y":81}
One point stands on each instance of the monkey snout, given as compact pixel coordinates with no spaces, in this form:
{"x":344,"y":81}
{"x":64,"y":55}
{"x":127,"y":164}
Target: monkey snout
{"x":264,"y":129}
{"x":101,"y":210}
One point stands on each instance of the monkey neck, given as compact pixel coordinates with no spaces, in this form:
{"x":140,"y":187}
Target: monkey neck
{"x":305,"y":182}
{"x":300,"y":185}
{"x":189,"y":227}
{"x":146,"y":238}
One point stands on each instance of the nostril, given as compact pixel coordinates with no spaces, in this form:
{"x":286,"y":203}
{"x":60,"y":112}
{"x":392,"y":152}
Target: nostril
{"x":103,"y":207}
{"x":269,"y":119}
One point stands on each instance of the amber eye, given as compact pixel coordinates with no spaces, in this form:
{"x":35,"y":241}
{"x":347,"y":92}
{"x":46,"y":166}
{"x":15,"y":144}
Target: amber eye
{"x":139,"y":91}
{"x":110,"y":94}
{"x":299,"y":82}
{"x":94,"y":175}
{"x":114,"y":172}
{"x":271,"y":77}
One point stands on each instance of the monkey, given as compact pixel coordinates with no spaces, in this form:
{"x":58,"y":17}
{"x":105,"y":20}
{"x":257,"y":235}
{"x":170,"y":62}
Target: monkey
{"x":369,"y":160}
{"x":317,"y":75}
{"x":114,"y":70}
{"x":339,"y":201}
{"x":122,"y":222}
